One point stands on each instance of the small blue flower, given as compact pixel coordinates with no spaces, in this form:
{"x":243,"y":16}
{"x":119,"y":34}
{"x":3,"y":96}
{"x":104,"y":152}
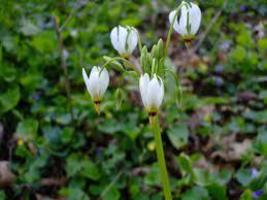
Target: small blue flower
{"x":256,"y":194}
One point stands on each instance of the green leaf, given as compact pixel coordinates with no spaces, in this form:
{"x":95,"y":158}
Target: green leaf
{"x":90,"y":170}
{"x":185,"y":164}
{"x":196,"y":193}
{"x":153,"y":178}
{"x":262,"y":44}
{"x":74,"y":193}
{"x":45,"y":42}
{"x":202,"y":177}
{"x":247,"y":195}
{"x":178,"y":135}
{"x":32,"y":80}
{"x":217,"y":192}
{"x":35,"y":167}
{"x":244,"y":38}
{"x":73,"y":165}
{"x":112,"y":194}
{"x":9,"y":99}
{"x":78,"y":165}
{"x":238,"y":54}
{"x":222,"y":177}
{"x":111,"y":126}
{"x":7,"y":72}
{"x":27,"y":129}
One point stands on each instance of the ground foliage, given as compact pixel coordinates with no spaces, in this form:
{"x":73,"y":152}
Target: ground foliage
{"x":215,"y":138}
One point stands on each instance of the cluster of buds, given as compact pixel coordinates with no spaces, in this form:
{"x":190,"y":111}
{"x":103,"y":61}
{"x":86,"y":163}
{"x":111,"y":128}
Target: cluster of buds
{"x":185,"y":20}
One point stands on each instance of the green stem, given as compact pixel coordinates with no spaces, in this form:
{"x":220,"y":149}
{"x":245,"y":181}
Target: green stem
{"x":161,"y":159}
{"x":121,"y":59}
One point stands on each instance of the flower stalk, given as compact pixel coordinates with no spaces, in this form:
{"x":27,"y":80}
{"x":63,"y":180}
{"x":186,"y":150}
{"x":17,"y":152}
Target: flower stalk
{"x":171,"y":29}
{"x":154,"y":123}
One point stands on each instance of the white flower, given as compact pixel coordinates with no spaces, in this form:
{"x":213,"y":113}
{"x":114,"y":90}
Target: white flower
{"x":97,"y":83}
{"x":189,"y":21}
{"x":152,"y":92}
{"x":124,"y":40}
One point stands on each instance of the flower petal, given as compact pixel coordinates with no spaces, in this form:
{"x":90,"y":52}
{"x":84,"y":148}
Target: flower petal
{"x":182,"y":22}
{"x":171,"y":16}
{"x":143,"y":83}
{"x":132,"y":40}
{"x":85,"y":78}
{"x":93,"y":82}
{"x":194,"y":18}
{"x":155,"y":93}
{"x":114,"y":36}
{"x":103,"y":81}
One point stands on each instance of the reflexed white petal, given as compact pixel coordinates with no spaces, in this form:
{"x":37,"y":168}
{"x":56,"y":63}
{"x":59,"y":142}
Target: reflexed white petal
{"x":160,"y":93}
{"x":118,"y":39}
{"x":122,"y":40}
{"x":143,"y":83}
{"x":171,"y":16}
{"x":93,"y":82}
{"x":195,"y":18}
{"x":114,"y":38}
{"x":182,"y":22}
{"x":103,"y":81}
{"x":154,"y":96}
{"x":86,"y":79}
{"x":132,"y":40}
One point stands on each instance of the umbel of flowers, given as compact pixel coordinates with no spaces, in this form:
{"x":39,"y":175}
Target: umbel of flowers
{"x":185,"y":20}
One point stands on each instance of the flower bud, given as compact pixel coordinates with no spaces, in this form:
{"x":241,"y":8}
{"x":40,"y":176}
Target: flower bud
{"x":152,"y":92}
{"x":96,"y":83}
{"x":189,"y":20}
{"x":124,"y":40}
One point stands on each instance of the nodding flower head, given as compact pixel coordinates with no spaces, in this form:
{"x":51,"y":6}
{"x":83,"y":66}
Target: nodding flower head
{"x":96,"y":83}
{"x":124,"y":39}
{"x":152,"y":92}
{"x":188,"y":21}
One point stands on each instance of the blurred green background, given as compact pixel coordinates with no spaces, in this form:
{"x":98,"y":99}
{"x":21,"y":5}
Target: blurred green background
{"x":215,"y":140}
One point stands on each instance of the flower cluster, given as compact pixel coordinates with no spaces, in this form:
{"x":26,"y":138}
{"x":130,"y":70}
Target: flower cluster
{"x":185,"y":20}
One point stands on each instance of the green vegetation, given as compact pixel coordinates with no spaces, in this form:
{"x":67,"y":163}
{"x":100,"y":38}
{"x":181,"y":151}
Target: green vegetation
{"x":53,"y":145}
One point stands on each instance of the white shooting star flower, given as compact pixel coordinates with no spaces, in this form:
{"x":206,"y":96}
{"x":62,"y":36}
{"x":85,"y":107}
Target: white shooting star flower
{"x":124,"y":39}
{"x":188,"y":22}
{"x":96,"y":83}
{"x":152,"y":92}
